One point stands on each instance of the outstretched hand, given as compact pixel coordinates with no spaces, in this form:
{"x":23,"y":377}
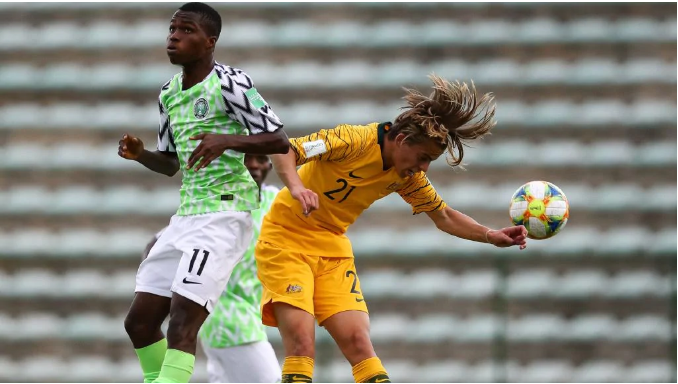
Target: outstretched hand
{"x":130,"y":147}
{"x":509,"y":236}
{"x":211,"y":147}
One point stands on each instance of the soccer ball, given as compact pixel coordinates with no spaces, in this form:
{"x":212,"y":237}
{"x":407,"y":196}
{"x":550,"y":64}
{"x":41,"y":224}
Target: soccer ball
{"x":541,"y":207}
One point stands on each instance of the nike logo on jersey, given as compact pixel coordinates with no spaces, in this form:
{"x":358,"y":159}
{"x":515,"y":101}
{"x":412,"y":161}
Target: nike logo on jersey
{"x":189,"y":282}
{"x":359,"y":300}
{"x":351,"y":175}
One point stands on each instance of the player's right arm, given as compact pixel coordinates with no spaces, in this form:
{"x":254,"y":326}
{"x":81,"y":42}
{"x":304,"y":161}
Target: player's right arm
{"x":286,"y":168}
{"x":338,"y":144}
{"x":164,"y":160}
{"x":132,"y":148}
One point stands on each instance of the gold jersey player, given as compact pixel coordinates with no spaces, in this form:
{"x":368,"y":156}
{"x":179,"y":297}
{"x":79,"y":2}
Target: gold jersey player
{"x":304,"y":259}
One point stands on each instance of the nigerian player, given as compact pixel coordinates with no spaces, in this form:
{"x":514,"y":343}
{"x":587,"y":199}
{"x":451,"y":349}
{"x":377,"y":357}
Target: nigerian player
{"x":233,"y":337}
{"x":305,"y":260}
{"x":206,"y":106}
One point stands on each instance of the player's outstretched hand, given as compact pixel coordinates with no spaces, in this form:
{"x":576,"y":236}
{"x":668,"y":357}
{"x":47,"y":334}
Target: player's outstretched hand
{"x":130,"y":147}
{"x":509,"y":236}
{"x":307,"y":198}
{"x":211,"y":146}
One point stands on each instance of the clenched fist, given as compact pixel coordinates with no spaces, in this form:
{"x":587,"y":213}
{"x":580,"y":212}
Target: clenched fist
{"x":130,"y":147}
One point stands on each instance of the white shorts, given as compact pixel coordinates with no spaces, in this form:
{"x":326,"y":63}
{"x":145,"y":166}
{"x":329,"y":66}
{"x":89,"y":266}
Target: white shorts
{"x":249,"y":363}
{"x":195,"y":256}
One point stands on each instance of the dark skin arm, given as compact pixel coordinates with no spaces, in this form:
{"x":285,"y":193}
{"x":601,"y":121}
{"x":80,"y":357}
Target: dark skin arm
{"x":132,"y":148}
{"x":148,"y":248}
{"x":213,"y":145}
{"x":166,"y":163}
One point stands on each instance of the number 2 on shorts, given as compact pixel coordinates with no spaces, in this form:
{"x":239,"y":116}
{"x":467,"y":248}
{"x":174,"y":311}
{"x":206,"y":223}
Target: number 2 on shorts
{"x":355,"y":281}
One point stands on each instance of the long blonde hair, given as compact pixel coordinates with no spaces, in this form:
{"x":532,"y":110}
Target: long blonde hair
{"x":452,"y":115}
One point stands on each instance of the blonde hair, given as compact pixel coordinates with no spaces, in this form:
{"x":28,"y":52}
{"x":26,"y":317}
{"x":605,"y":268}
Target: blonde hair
{"x":452,"y":115}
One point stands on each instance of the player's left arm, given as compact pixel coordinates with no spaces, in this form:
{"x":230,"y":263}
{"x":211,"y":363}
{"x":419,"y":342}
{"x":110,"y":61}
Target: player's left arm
{"x":460,"y":225}
{"x":421,"y":195}
{"x":246,"y":106}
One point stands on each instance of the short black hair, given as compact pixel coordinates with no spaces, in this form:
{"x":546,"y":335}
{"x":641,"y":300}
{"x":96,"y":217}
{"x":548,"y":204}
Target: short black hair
{"x":209,"y":17}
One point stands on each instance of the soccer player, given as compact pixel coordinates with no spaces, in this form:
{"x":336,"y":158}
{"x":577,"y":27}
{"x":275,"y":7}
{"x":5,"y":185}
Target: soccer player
{"x":305,"y":260}
{"x":206,"y":106}
{"x":233,"y":337}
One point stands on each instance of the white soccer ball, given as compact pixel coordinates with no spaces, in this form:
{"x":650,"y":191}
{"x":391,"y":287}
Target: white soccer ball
{"x":541,"y":207}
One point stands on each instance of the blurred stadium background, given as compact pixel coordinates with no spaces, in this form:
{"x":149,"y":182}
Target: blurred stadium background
{"x":586,"y":99}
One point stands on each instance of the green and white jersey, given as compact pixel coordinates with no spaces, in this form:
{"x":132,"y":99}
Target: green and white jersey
{"x":236,"y":319}
{"x":225,"y":102}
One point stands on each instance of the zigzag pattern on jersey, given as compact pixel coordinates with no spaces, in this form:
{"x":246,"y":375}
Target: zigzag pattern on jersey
{"x":236,"y":318}
{"x":165,"y":138}
{"x":234,"y":84}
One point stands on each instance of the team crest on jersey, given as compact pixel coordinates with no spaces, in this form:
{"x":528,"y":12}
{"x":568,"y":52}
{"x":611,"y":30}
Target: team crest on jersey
{"x":201,"y":108}
{"x":293,"y":288}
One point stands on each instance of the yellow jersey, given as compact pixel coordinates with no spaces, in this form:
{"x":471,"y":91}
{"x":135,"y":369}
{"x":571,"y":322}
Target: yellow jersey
{"x":344,"y":166}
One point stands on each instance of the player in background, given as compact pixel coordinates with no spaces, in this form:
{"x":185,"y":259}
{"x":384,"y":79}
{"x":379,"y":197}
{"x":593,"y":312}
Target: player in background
{"x":206,"y":105}
{"x":233,"y":337}
{"x":305,"y":260}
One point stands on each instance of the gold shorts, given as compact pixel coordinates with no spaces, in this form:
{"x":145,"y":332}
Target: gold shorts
{"x":321,"y":286}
